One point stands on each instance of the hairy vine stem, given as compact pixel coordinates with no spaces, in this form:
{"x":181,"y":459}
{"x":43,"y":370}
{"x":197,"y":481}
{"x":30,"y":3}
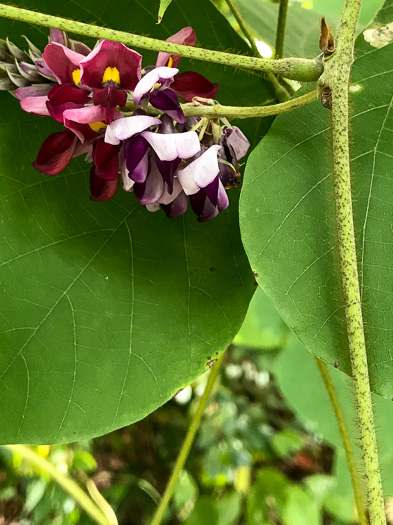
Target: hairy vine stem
{"x":217,"y":110}
{"x":352,"y":466}
{"x":293,"y":68}
{"x":186,"y":446}
{"x":336,"y":77}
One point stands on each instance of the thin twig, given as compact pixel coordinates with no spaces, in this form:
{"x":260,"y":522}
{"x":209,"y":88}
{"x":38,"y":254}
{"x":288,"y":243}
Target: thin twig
{"x":352,"y":466}
{"x":280,"y":33}
{"x":64,"y":481}
{"x":186,"y":446}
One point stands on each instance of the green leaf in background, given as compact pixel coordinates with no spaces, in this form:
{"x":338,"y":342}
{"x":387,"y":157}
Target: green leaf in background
{"x":334,"y":8}
{"x":288,"y":222}
{"x":302,"y":28}
{"x":300,"y":508}
{"x":106,"y":309}
{"x":307,"y":396}
{"x":303,"y":25}
{"x":262,"y":327}
{"x":164,"y":4}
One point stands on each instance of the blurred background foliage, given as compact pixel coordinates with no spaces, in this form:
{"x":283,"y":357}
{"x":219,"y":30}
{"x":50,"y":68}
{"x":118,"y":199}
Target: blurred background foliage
{"x":268,"y":450}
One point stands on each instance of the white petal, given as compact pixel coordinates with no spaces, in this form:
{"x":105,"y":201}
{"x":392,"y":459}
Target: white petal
{"x":170,"y":146}
{"x":125,"y":128}
{"x":155,"y":206}
{"x":127,"y":182}
{"x":149,"y":80}
{"x":200,"y":172}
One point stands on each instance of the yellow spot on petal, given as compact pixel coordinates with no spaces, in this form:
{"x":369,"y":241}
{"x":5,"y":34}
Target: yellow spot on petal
{"x":156,"y":86}
{"x":170,"y":62}
{"x":43,"y":450}
{"x":111,"y":73}
{"x":97,"y":126}
{"x":76,"y":76}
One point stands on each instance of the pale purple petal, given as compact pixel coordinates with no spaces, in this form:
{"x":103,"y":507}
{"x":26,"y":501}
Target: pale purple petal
{"x":147,"y":82}
{"x":35,"y":105}
{"x":222,"y":201}
{"x":125,"y":128}
{"x":175,"y":145}
{"x":200,"y":172}
{"x":166,"y":197}
{"x":238,"y":141}
{"x":85,"y":115}
{"x":36,"y":90}
{"x":154,"y":187}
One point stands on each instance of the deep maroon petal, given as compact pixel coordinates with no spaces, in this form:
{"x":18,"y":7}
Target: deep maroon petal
{"x":111,"y":54}
{"x":63,"y":97}
{"x":106,"y":160}
{"x":62,"y":62}
{"x":185,"y":36}
{"x":110,"y":96}
{"x":167,"y":101}
{"x":56,"y":152}
{"x":68,"y":93}
{"x":101,"y":189}
{"x":176,"y":207}
{"x":191,"y":84}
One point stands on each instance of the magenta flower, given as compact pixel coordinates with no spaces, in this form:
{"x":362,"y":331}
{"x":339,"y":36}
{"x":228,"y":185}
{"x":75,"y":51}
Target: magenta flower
{"x":56,"y":152}
{"x":188,"y":84}
{"x":109,"y":71}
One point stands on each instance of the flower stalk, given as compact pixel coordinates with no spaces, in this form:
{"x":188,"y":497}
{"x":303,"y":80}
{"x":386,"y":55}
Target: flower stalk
{"x":217,"y":110}
{"x":293,"y":68}
{"x":336,"y":78}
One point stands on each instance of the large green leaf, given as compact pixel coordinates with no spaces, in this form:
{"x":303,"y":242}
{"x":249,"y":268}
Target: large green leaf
{"x":106,"y":309}
{"x":301,"y":32}
{"x":307,"y":395}
{"x":288,"y":217}
{"x":303,"y":25}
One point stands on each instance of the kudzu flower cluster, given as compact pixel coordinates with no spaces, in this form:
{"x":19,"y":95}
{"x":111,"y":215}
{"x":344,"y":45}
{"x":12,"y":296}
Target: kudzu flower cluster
{"x":128,"y":121}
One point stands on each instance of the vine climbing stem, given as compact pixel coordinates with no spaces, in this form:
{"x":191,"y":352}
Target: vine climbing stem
{"x":336,"y":79}
{"x":301,"y":69}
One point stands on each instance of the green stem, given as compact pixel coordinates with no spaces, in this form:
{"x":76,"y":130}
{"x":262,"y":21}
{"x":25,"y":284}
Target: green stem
{"x":281,"y":92}
{"x":337,"y":77}
{"x":217,"y":110}
{"x":280,"y":33}
{"x":66,"y":482}
{"x":239,"y":19}
{"x":352,"y":466}
{"x":293,"y":68}
{"x":186,"y":446}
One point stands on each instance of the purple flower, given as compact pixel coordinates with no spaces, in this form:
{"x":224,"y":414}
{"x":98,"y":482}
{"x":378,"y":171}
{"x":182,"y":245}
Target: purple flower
{"x":154,"y":87}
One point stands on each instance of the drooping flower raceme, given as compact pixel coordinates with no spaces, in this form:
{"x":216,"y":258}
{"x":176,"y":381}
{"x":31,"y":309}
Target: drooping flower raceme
{"x":128,"y":121}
